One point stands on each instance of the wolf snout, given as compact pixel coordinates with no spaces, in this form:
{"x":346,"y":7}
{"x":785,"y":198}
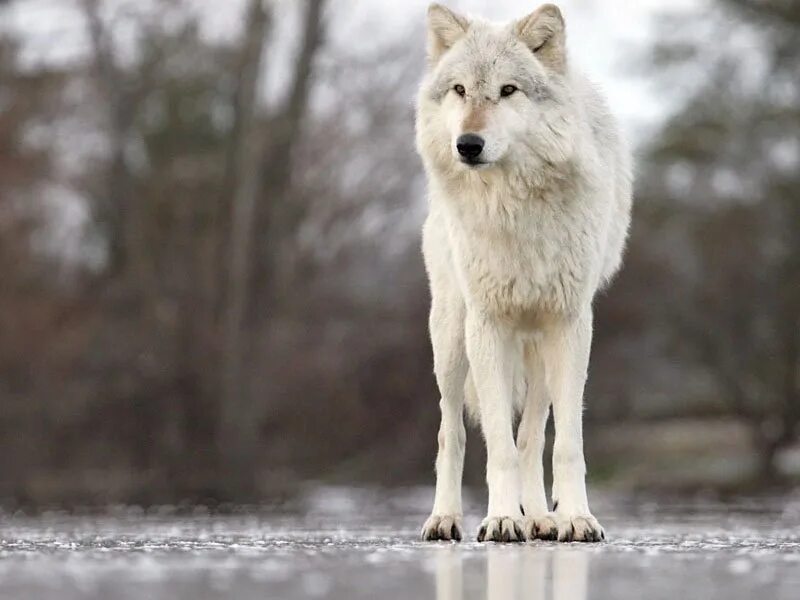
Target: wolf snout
{"x":469,"y":146}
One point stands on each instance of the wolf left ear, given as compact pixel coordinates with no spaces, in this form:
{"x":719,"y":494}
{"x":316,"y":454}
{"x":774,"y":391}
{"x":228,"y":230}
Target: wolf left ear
{"x":543,"y":32}
{"x":445,"y":28}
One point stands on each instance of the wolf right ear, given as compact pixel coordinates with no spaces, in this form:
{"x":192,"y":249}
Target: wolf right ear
{"x":445,"y":28}
{"x":543,"y":32}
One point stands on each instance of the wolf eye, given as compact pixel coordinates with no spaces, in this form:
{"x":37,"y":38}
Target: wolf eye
{"x":507,"y":90}
{"x":459,"y":89}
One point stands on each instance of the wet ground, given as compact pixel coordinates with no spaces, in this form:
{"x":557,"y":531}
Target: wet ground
{"x":354,"y":544}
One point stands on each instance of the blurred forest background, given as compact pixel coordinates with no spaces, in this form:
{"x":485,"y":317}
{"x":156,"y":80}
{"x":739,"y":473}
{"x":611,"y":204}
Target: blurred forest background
{"x":212,"y":287}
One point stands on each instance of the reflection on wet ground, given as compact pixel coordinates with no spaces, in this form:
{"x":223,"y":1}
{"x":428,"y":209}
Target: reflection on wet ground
{"x":516,"y":573}
{"x":343,"y":544}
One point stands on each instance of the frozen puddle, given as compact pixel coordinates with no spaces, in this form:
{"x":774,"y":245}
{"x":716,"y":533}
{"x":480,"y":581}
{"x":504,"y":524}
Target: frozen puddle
{"x":354,"y":544}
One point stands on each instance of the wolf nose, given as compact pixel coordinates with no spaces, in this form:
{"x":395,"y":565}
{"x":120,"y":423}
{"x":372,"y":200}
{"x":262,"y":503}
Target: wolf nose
{"x":469,"y":145}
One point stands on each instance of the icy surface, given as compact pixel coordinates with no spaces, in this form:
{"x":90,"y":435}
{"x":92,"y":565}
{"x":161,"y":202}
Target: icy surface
{"x":350,"y":544}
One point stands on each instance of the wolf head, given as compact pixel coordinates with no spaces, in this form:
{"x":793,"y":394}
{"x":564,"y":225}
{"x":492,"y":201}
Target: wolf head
{"x":494,"y":96}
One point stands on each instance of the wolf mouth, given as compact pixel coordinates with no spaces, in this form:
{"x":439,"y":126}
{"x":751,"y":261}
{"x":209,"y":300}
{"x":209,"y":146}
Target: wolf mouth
{"x":474,"y":163}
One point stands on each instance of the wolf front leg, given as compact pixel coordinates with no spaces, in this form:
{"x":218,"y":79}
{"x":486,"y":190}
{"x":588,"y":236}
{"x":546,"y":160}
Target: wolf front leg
{"x":450,"y":367}
{"x":530,"y":443}
{"x":492,"y":356}
{"x":566,"y":354}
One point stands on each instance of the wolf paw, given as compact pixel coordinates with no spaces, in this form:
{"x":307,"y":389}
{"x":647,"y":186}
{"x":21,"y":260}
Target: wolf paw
{"x":442,"y":527}
{"x":579,"y":528}
{"x":544,"y":527}
{"x":501,"y":529}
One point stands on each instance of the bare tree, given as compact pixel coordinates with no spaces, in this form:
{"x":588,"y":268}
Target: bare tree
{"x":263,"y":164}
{"x":743,"y":324}
{"x":279,"y":217}
{"x":115,"y":207}
{"x":237,"y":438}
{"x":741,"y":317}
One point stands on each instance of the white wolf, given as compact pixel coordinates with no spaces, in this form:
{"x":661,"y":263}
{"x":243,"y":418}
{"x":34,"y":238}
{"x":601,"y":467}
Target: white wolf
{"x":530,"y":199}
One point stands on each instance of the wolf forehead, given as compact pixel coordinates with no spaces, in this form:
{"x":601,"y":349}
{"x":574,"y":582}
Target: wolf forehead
{"x":487,"y":57}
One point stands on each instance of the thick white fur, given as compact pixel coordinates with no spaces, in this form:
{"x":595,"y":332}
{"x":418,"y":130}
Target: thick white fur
{"x":515,"y":251}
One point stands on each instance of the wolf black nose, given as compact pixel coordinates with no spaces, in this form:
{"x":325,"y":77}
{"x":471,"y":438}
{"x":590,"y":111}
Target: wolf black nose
{"x":469,"y":145}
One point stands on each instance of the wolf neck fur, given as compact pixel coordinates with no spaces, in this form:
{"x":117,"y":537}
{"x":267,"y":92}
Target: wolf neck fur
{"x":507,"y":190}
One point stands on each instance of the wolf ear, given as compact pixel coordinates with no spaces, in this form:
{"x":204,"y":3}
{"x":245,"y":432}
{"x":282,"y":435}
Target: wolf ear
{"x":445,"y":28}
{"x":543,"y":32}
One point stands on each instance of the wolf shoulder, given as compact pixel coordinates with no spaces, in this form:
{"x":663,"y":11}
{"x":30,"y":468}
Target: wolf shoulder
{"x":606,"y":133}
{"x":616,"y":165}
